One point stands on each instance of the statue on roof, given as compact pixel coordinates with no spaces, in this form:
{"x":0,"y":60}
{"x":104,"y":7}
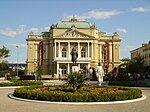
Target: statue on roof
{"x":31,"y":33}
{"x":73,"y":18}
{"x":94,"y":26}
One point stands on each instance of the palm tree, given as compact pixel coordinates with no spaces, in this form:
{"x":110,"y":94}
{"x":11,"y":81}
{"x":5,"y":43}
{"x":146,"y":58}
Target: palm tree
{"x":4,"y":52}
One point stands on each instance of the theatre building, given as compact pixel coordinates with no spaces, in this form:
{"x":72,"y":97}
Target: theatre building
{"x":52,"y":49}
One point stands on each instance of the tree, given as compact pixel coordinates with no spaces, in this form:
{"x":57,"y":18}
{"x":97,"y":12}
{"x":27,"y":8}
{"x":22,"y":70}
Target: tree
{"x":125,"y":60}
{"x":136,"y":65}
{"x":4,"y":66}
{"x":39,"y":71}
{"x":4,"y":52}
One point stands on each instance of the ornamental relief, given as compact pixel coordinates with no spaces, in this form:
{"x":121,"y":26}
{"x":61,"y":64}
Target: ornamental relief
{"x":73,"y":35}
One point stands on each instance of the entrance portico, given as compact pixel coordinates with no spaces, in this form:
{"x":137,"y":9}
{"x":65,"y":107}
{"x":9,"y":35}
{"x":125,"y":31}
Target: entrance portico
{"x":67,"y":66}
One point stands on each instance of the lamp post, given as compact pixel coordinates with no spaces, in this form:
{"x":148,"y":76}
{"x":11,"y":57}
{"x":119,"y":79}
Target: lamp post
{"x":17,"y":58}
{"x":112,"y":52}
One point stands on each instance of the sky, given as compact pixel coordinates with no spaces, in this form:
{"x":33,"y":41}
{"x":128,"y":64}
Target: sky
{"x":130,"y":18}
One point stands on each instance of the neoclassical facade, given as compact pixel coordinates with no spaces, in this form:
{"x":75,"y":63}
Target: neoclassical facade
{"x":143,"y":51}
{"x":52,"y":49}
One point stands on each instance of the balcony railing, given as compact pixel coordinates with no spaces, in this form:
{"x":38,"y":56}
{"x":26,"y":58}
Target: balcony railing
{"x":69,"y":59}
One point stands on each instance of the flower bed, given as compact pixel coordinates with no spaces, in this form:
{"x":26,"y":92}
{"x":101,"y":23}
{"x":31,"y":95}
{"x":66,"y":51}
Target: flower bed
{"x":85,"y":94}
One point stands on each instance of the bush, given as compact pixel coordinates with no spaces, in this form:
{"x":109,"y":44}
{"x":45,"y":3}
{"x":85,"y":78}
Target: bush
{"x":76,"y":80}
{"x":55,"y":93}
{"x":21,"y":83}
{"x":2,"y":73}
{"x":130,"y":83}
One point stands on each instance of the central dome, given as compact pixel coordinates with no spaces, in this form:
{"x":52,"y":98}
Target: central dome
{"x":73,"y":22}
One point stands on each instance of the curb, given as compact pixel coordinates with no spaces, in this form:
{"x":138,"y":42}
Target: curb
{"x":10,"y":95}
{"x":10,"y":87}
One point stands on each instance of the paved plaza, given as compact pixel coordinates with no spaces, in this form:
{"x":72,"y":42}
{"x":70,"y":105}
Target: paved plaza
{"x":11,"y":105}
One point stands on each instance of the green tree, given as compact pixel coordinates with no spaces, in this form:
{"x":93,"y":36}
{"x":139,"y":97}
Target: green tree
{"x":39,"y":72}
{"x":76,"y":80}
{"x":136,"y":65}
{"x":4,"y":66}
{"x":125,"y":60}
{"x":4,"y":52}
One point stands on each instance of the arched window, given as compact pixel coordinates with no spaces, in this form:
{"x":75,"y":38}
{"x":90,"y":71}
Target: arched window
{"x":64,"y":52}
{"x":83,"y":53}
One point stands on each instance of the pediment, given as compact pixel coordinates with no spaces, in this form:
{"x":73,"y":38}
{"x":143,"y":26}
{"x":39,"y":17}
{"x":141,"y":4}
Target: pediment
{"x":73,"y":34}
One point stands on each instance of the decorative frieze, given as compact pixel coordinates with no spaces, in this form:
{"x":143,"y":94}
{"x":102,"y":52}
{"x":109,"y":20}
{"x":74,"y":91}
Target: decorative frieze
{"x":73,"y":35}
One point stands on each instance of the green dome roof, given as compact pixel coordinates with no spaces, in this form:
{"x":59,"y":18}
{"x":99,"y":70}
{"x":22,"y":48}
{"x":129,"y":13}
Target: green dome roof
{"x":73,"y":22}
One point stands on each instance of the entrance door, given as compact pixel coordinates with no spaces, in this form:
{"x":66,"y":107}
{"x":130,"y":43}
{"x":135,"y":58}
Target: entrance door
{"x":64,"y":69}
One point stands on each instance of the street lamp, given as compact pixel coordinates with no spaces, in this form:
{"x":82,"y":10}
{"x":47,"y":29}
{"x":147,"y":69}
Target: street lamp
{"x":112,"y":52}
{"x":17,"y":58}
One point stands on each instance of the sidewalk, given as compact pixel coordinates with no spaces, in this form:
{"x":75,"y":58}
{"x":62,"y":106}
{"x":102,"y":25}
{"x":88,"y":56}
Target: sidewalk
{"x":2,"y":80}
{"x":59,"y":82}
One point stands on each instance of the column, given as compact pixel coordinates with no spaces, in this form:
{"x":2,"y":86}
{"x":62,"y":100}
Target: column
{"x":88,"y":50}
{"x":78,"y":66}
{"x":110,"y":52}
{"x":58,"y":49}
{"x":68,"y":68}
{"x":100,"y":51}
{"x":92,"y":50}
{"x":78,"y":49}
{"x":54,"y":50}
{"x":46,"y":51}
{"x":36,"y":51}
{"x":69,"y":50}
{"x":57,"y":68}
{"x":88,"y":66}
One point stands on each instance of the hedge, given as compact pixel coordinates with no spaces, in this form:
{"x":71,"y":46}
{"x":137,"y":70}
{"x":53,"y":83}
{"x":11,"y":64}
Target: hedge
{"x":130,"y":83}
{"x":20,"y":83}
{"x":35,"y":93}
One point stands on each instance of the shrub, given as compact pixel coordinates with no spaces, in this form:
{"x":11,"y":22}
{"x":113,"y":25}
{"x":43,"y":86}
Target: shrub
{"x":2,"y":73}
{"x":130,"y":83}
{"x":56,"y":93}
{"x":76,"y":80}
{"x":20,"y":83}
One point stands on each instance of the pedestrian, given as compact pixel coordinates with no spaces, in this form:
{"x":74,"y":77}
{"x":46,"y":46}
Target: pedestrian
{"x":99,"y":74}
{"x":60,"y":73}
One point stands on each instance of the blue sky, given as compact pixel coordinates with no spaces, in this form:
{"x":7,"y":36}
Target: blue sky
{"x":130,"y":18}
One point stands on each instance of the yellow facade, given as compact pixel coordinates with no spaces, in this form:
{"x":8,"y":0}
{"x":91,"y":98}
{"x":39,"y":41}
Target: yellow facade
{"x":143,"y":51}
{"x":62,"y":37}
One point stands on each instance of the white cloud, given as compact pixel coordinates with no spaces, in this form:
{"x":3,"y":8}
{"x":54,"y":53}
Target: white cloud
{"x":102,"y":14}
{"x":140,"y":9}
{"x":46,"y":28}
{"x":34,"y":29}
{"x":122,"y":30}
{"x":96,"y":15}
{"x":8,"y":32}
{"x":21,"y":30}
